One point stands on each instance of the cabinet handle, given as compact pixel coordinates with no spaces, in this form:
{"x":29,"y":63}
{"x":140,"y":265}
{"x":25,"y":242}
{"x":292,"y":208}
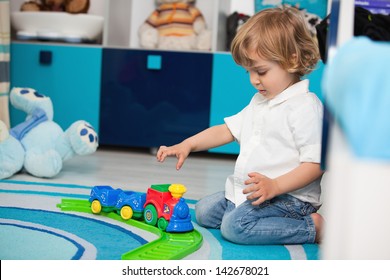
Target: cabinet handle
{"x":154,"y":62}
{"x":45,"y":57}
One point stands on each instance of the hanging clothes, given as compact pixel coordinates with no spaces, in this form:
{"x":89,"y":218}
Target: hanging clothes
{"x":374,"y":26}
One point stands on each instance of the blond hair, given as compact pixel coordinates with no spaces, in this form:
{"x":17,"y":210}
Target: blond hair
{"x":279,"y":35}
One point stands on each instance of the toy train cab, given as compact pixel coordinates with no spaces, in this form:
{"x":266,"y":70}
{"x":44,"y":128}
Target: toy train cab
{"x":166,"y":208}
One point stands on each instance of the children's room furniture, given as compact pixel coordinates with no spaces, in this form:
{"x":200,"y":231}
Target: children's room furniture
{"x":138,"y":97}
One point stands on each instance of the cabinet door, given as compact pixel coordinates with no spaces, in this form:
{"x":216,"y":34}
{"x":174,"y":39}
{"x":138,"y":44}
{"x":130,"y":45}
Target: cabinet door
{"x":70,"y":75}
{"x":231,"y":92}
{"x":153,"y":98}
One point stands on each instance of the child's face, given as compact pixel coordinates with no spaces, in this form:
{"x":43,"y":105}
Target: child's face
{"x":268,"y":77}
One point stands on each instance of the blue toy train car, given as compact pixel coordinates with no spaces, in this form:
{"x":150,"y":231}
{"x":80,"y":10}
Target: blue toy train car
{"x":162,"y":206}
{"x":127,"y":203}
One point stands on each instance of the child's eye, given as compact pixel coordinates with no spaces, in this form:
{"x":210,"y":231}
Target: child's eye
{"x":261,"y":73}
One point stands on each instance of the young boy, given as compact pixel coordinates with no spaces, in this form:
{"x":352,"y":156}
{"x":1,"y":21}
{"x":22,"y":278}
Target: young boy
{"x":274,"y":193}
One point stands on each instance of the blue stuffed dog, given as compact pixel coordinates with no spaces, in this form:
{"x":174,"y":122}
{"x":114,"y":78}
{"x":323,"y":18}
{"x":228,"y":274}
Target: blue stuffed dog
{"x":39,"y":145}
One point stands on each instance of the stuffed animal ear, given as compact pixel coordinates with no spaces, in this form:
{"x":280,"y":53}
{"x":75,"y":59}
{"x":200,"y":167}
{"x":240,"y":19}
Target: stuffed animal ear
{"x":83,"y":138}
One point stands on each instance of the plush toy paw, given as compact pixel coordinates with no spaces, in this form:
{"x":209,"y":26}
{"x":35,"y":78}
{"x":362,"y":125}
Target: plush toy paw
{"x":83,"y":138}
{"x":148,"y":36}
{"x":11,"y":153}
{"x":28,"y":99}
{"x":4,"y":133}
{"x":204,"y":40}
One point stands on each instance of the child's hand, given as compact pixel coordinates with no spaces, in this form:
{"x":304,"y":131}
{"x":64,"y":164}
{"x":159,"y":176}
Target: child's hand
{"x":260,"y":188}
{"x":181,"y":151}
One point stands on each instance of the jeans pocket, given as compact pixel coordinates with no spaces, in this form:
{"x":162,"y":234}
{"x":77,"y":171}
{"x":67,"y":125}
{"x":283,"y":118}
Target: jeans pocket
{"x":297,"y":208}
{"x":307,"y":209}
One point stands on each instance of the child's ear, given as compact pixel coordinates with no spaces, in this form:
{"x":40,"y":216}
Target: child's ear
{"x":293,"y":63}
{"x":294,"y":59}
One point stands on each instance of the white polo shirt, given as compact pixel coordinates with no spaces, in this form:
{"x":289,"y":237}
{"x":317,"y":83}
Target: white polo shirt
{"x":275,"y":136}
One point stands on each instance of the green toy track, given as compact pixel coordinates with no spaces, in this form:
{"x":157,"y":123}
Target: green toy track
{"x":168,"y":246}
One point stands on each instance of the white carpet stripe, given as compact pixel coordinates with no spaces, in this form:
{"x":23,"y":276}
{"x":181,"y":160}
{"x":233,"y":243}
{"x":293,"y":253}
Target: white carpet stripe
{"x":297,"y":252}
{"x":44,"y":188}
{"x":29,"y":201}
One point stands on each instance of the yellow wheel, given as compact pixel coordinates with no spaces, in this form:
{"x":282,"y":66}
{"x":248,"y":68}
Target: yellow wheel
{"x":126,"y":212}
{"x":96,"y":207}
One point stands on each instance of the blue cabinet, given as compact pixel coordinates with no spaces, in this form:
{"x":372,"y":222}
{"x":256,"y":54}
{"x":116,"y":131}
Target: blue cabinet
{"x":70,"y":75}
{"x":151,"y":98}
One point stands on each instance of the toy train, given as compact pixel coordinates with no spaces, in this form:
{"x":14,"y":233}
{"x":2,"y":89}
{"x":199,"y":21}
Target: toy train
{"x":162,"y":205}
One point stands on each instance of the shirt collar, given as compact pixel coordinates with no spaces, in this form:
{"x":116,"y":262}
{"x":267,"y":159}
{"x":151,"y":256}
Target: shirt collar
{"x":294,"y":90}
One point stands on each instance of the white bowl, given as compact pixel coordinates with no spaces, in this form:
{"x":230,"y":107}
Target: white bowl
{"x":58,"y":25}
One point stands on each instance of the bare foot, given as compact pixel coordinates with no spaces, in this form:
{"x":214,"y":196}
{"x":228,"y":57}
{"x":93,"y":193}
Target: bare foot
{"x":319,"y":224}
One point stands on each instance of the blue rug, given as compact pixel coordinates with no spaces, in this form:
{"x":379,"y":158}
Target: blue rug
{"x":34,"y":228}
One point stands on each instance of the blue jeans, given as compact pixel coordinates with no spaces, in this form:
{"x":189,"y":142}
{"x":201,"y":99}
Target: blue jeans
{"x":281,"y":220}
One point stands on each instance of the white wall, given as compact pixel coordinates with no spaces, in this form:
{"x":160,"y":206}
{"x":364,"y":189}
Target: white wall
{"x":243,"y":6}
